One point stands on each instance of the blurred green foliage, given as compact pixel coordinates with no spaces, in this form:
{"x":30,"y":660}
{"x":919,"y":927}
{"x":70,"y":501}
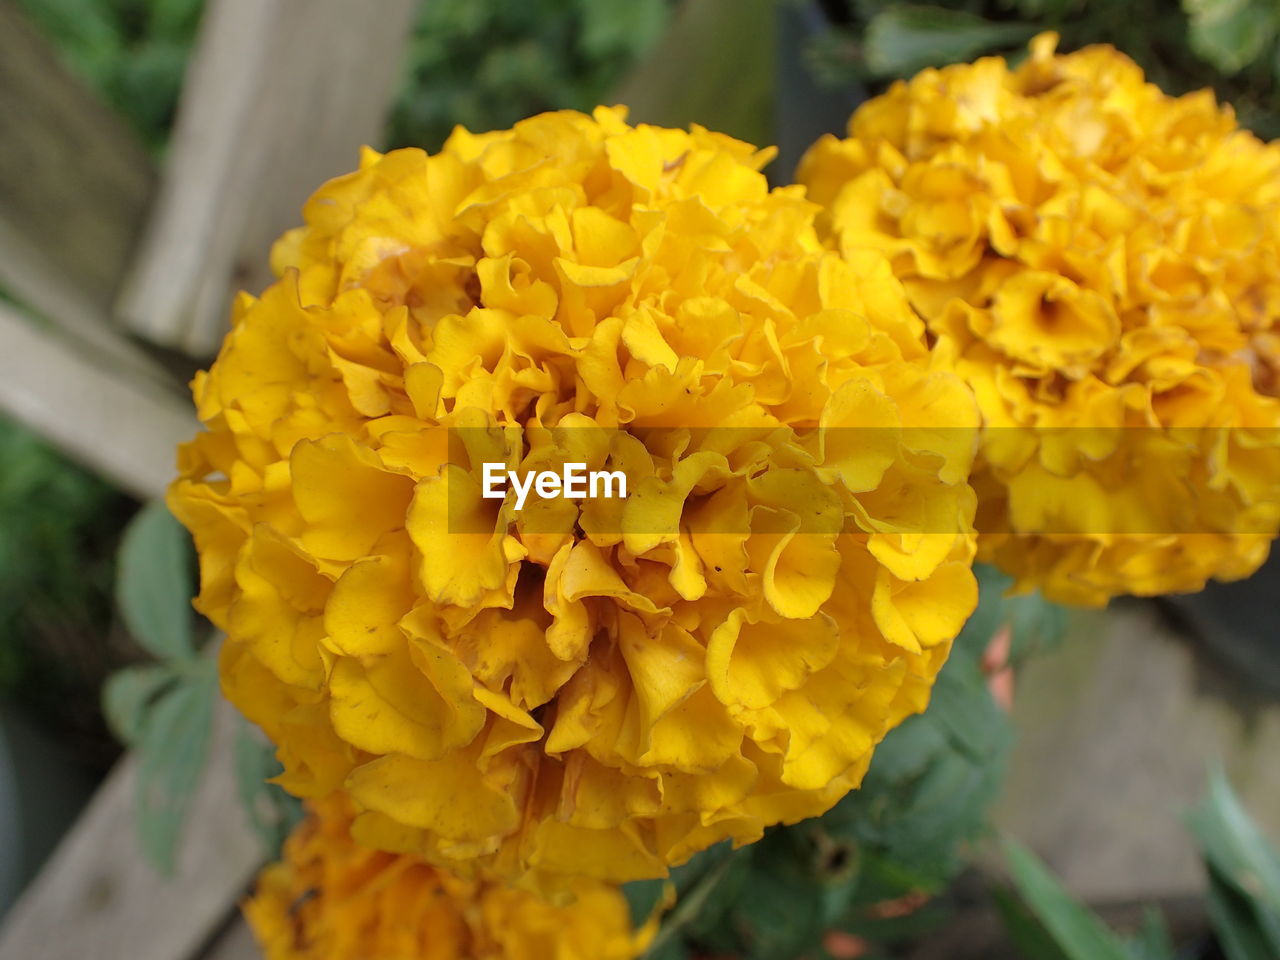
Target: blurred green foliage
{"x":132,"y":52}
{"x":58,"y":526}
{"x":1243,"y":869}
{"x":52,"y":576}
{"x":483,"y":65}
{"x":487,"y":65}
{"x":1232,"y":46}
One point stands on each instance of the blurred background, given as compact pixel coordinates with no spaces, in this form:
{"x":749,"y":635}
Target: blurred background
{"x":152,"y":149}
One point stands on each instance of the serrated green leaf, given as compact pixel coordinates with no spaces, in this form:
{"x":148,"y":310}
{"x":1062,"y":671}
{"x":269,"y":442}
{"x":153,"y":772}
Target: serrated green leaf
{"x":962,"y":705}
{"x":1036,"y":625}
{"x":786,"y":911}
{"x":172,"y":752}
{"x":271,"y":812}
{"x":153,"y":583}
{"x":129,"y":695}
{"x":1231,"y":34}
{"x":907,"y":750}
{"x":904,"y":39}
{"x":1077,"y":931}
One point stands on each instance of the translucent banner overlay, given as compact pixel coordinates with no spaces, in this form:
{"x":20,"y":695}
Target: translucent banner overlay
{"x":668,"y":481}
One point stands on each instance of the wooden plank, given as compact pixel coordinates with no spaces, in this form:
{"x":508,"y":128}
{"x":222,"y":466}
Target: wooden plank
{"x":120,"y":425}
{"x":97,"y":899}
{"x":279,"y":97}
{"x":236,"y":942}
{"x":74,"y":189}
{"x":1116,"y":731}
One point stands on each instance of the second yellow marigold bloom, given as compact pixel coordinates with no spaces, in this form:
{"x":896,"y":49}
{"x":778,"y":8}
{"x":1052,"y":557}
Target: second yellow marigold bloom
{"x":1105,"y":262}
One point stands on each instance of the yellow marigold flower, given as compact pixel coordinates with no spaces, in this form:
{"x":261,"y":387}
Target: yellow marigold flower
{"x":605,"y":686}
{"x":1099,"y":256}
{"x":331,"y":899}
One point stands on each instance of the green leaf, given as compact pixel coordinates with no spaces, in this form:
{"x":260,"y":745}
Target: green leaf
{"x":172,"y":752}
{"x":1036,"y":625}
{"x":153,"y":585}
{"x":722,"y":897}
{"x":931,"y":782}
{"x":991,"y":613}
{"x":272,"y":813}
{"x":1239,"y":854}
{"x":787,"y":911}
{"x":1235,"y":923}
{"x":692,"y":899}
{"x":129,"y":695}
{"x":1076,"y":931}
{"x":643,"y":896}
{"x":904,"y":39}
{"x":1231,"y":34}
{"x":963,"y":707}
{"x":1152,"y":941}
{"x":1025,"y":931}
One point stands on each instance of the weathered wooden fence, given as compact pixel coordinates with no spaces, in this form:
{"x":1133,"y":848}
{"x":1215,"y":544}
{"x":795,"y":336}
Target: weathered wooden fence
{"x":109,"y":258}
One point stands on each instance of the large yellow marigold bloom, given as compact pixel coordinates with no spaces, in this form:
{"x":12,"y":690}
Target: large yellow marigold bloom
{"x":1099,"y":255}
{"x":605,"y":686}
{"x":331,"y":899}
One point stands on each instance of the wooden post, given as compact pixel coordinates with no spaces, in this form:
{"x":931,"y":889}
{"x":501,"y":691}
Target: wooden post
{"x":279,"y":97}
{"x":119,"y":425}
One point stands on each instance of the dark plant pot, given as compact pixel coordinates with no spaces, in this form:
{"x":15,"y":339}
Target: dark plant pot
{"x":43,"y":788}
{"x":1238,"y":625}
